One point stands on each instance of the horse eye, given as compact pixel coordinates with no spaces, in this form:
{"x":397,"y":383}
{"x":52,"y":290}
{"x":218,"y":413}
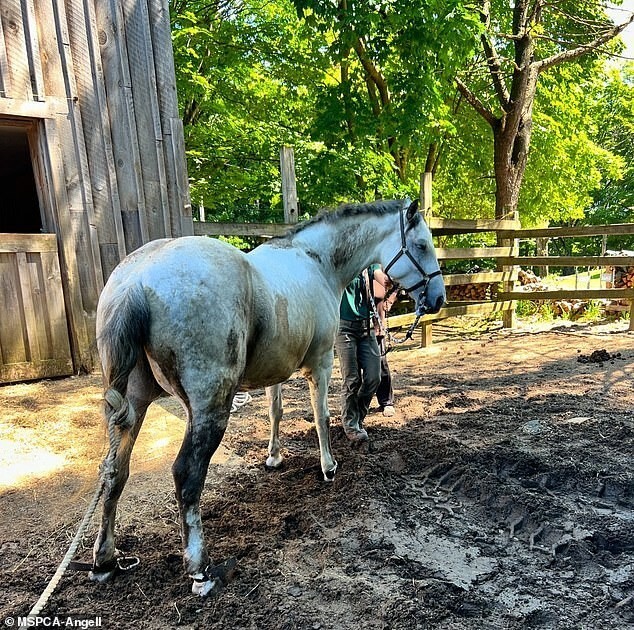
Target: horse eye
{"x":422,"y":246}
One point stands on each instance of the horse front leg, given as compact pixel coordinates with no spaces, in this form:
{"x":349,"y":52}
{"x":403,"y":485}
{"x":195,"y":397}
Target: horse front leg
{"x":205,"y":430}
{"x":274,"y":398}
{"x":318,"y":381}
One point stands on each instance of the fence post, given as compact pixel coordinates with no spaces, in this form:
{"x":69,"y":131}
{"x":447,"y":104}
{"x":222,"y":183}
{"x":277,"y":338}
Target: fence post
{"x":289,"y":184}
{"x":508,"y":316}
{"x":542,"y":244}
{"x":425,"y":194}
{"x":425,"y":334}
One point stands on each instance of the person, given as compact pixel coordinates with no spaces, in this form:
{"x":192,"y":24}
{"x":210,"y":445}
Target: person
{"x":381,"y":286}
{"x":359,"y":355}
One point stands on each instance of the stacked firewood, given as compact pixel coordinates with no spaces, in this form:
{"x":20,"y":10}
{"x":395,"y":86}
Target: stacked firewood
{"x":469,"y":292}
{"x":530,"y":281}
{"x":622,"y":277}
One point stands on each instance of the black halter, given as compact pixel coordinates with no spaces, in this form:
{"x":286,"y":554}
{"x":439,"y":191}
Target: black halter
{"x":426,"y":277}
{"x":424,"y":282}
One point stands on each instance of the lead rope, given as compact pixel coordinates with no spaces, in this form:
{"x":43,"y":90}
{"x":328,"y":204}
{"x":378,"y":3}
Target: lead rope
{"x":107,"y":468}
{"x":385,"y":330}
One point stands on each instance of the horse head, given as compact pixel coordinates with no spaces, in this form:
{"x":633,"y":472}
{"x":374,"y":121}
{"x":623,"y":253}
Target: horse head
{"x":414,"y":266}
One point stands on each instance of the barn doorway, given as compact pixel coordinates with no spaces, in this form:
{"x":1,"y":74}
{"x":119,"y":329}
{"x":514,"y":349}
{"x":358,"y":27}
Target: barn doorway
{"x":19,"y":203}
{"x":34,"y":340}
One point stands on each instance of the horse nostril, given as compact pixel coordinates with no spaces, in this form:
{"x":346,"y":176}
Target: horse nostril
{"x":440,"y":300}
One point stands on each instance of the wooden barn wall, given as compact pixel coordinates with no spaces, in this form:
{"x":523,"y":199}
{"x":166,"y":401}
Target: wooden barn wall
{"x":98,"y":78}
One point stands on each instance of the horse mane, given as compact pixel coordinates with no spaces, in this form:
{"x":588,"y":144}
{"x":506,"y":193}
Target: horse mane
{"x":328,"y":215}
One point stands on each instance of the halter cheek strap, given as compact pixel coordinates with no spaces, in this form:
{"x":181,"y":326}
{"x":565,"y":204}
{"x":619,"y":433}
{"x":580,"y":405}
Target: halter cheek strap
{"x":404,"y":251}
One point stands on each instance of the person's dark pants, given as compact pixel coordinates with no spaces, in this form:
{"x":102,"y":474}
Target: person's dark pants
{"x":384,"y":393}
{"x":360,"y":365}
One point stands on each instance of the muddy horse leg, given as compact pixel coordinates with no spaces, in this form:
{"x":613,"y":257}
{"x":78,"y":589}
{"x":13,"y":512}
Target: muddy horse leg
{"x":205,"y":429}
{"x":141,"y":391}
{"x":274,"y":397}
{"x":318,"y":380}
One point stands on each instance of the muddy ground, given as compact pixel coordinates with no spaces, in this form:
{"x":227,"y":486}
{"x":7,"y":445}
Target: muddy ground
{"x":500,"y":496}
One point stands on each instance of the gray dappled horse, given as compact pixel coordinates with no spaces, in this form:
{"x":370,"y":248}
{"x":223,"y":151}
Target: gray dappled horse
{"x":201,"y":320}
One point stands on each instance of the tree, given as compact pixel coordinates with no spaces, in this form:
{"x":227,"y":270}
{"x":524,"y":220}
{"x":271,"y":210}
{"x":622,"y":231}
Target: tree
{"x":519,"y":43}
{"x":243,"y":71}
{"x":393,"y":65}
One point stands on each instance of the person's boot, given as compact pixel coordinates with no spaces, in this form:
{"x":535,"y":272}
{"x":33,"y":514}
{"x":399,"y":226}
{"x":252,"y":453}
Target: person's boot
{"x":354,"y":430}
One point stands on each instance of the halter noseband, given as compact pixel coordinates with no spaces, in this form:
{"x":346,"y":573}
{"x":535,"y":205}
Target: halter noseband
{"x":404,"y":251}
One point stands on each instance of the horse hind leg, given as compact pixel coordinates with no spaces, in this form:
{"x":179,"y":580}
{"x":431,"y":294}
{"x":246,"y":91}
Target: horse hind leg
{"x":205,"y":429}
{"x":274,"y":397}
{"x":142,"y":389}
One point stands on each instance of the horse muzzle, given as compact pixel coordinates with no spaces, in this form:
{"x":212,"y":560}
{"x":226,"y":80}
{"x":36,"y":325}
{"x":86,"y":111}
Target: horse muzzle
{"x":427,"y":306}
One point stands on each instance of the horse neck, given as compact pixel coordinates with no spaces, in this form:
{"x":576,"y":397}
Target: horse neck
{"x":348,"y":246}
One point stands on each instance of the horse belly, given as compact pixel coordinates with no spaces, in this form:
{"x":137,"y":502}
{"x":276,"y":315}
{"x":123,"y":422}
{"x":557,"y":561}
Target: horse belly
{"x":267,"y":367}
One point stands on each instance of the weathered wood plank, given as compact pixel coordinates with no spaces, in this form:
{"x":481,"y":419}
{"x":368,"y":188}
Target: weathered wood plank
{"x":289,"y":184}
{"x":97,"y":135}
{"x":53,"y":303}
{"x":80,"y":326}
{"x":202,"y":228}
{"x":41,"y":332}
{"x":32,"y":109}
{"x":13,"y":344}
{"x":33,"y":49}
{"x":178,"y":213}
{"x":440,"y":226}
{"x":181,"y":182}
{"x":30,"y":321}
{"x":5,"y":76}
{"x":26,"y":371}
{"x":146,"y":116}
{"x":466,"y":253}
{"x":563,"y":232}
{"x":92,"y":151}
{"x":568,"y":294}
{"x":16,"y":50}
{"x":481,"y":308}
{"x":160,"y":31}
{"x":12,"y":243}
{"x":76,"y":169}
{"x":120,"y":103}
{"x":568,"y":261}
{"x":49,"y":48}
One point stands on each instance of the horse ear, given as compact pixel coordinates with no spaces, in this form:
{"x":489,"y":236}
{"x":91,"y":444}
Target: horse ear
{"x":412,"y":210}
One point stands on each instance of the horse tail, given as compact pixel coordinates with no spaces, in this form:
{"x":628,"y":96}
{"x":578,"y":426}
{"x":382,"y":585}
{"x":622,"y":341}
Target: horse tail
{"x":123,"y":331}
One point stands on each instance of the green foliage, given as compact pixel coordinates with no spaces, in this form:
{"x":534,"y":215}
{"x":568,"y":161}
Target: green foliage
{"x":253,"y":76}
{"x":613,"y":112}
{"x":242,"y":77}
{"x":566,"y":165}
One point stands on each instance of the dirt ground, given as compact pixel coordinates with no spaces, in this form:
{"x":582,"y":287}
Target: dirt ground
{"x":500,"y":496}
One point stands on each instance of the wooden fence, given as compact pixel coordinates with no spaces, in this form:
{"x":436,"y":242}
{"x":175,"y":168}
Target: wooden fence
{"x":508,"y":234}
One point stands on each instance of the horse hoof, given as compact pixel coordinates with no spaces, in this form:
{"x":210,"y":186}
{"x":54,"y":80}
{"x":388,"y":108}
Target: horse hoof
{"x":102,"y":576}
{"x":329,"y":475}
{"x":203,"y":588}
{"x":274,"y":462}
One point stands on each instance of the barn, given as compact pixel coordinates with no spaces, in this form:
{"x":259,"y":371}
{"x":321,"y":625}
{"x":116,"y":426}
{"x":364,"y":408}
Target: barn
{"x":92,"y":165}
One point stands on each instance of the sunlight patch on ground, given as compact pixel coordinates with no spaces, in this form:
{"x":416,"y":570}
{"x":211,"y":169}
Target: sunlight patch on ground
{"x":21,"y":463}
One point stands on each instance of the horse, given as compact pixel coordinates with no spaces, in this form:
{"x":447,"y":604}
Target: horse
{"x":196,"y":318}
